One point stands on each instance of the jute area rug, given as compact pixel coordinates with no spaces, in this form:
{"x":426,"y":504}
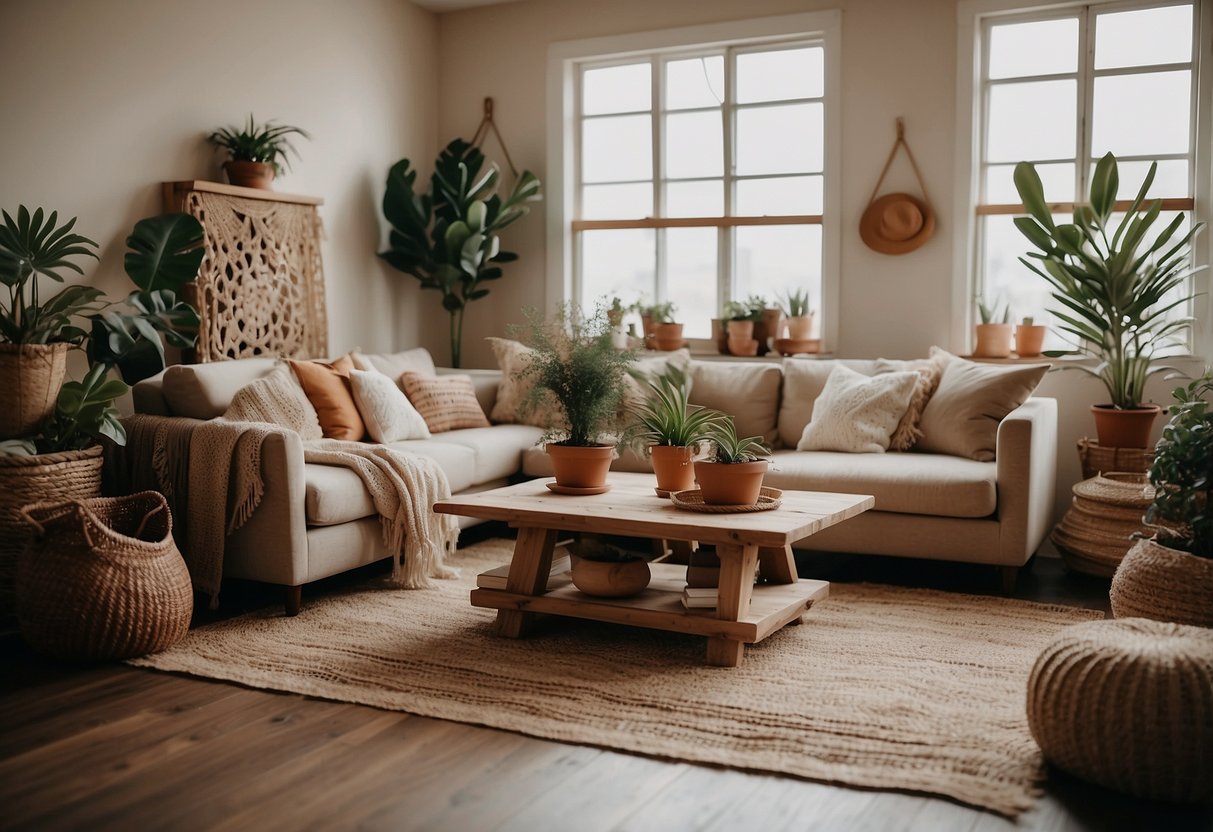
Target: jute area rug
{"x":881,"y":687}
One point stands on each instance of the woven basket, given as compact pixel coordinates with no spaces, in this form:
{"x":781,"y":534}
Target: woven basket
{"x":1128,"y":705}
{"x":1096,"y":459}
{"x":1098,"y":529}
{"x":30,"y":376}
{"x":70,"y":475}
{"x":103,"y":579}
{"x":1165,"y":584}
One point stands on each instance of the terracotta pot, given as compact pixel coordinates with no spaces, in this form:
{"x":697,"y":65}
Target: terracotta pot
{"x":721,"y":336}
{"x":993,"y":341}
{"x":249,"y":174}
{"x":800,"y":328}
{"x":1156,"y":581}
{"x":742,"y":330}
{"x":581,"y":466}
{"x":667,"y":337}
{"x":723,"y":484}
{"x":1124,"y":428}
{"x":610,"y":579}
{"x":30,"y":376}
{"x":672,"y":465}
{"x":772,"y":322}
{"x":646,"y":325}
{"x":1028,"y":339}
{"x":743,"y":346}
{"x":761,"y":335}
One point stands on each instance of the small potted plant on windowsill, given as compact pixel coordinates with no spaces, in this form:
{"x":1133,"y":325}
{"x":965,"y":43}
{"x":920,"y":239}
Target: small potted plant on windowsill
{"x":259,"y":152}
{"x":994,"y":331}
{"x":670,"y":430}
{"x":797,"y":314}
{"x":667,"y":333}
{"x":574,"y":358}
{"x":604,"y":570}
{"x":732,"y":473}
{"x":742,"y":321}
{"x":1029,"y":338}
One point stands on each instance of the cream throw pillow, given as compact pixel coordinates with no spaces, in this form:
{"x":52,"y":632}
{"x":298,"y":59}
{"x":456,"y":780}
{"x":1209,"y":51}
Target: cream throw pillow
{"x":387,"y":412}
{"x":646,"y":369}
{"x":276,"y":399}
{"x":929,"y":372}
{"x":857,"y":413}
{"x":512,"y":358}
{"x":963,"y":415}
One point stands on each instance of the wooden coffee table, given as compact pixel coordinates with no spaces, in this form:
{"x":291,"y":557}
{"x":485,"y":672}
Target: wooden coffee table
{"x":745,"y":613}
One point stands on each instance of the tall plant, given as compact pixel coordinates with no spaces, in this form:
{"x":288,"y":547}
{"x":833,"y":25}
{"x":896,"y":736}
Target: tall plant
{"x":447,"y":237}
{"x":1115,"y":290}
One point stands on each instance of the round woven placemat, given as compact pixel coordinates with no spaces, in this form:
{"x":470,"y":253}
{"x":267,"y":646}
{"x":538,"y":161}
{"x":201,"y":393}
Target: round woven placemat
{"x":768,"y":498}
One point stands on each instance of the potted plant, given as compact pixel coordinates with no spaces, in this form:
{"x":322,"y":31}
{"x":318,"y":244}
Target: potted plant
{"x":670,"y":430}
{"x":798,"y":315}
{"x":1029,"y":338}
{"x":733,"y":470}
{"x":448,"y":238}
{"x":667,"y":334}
{"x":1115,"y":290}
{"x":259,"y":152}
{"x":994,"y":331}
{"x":741,"y":322}
{"x":576,"y":361}
{"x":604,"y":570}
{"x":1170,"y":577}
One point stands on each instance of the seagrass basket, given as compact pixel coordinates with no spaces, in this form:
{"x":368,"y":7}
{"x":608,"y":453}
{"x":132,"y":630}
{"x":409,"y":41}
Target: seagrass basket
{"x":103,"y":579}
{"x":69,"y":475}
{"x":30,"y":376}
{"x":1096,"y":459}
{"x":1098,"y":528}
{"x":1156,"y":581}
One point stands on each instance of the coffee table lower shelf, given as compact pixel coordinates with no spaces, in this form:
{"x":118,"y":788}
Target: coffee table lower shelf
{"x":659,"y":607}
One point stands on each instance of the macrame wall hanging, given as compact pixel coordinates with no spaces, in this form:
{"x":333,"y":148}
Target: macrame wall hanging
{"x":897,"y":223}
{"x":260,"y":290}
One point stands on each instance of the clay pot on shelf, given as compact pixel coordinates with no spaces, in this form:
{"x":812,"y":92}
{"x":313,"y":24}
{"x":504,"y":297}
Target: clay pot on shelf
{"x":578,"y":466}
{"x":673,"y":466}
{"x":249,"y":174}
{"x":740,"y":330}
{"x":772,"y":324}
{"x":1129,"y":428}
{"x":610,"y":579}
{"x":720,"y":336}
{"x":993,"y":341}
{"x":743,"y":346}
{"x":800,"y":328}
{"x":30,"y":375}
{"x":1029,"y":338}
{"x":667,"y":337}
{"x":730,"y":484}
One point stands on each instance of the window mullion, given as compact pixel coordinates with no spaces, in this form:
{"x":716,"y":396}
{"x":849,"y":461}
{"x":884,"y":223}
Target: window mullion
{"x":725,"y":278}
{"x":656,"y":78}
{"x":1086,"y":99}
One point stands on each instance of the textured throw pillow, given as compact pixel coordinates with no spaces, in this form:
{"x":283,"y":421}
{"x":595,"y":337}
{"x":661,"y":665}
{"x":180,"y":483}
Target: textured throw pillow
{"x":279,"y":400}
{"x":963,"y":415}
{"x":857,"y":413}
{"x":929,"y":371}
{"x":387,"y":412}
{"x":512,"y":358}
{"x":327,"y":385}
{"x":445,"y":402}
{"x":393,"y":365}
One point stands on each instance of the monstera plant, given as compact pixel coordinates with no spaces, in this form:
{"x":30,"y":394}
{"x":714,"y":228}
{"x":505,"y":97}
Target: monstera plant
{"x":447,"y":237}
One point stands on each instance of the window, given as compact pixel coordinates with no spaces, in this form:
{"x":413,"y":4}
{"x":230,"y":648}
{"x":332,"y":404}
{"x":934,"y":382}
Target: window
{"x":1062,"y":88}
{"x":700,"y":174}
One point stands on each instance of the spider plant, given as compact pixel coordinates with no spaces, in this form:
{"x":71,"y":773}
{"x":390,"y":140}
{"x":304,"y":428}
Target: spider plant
{"x":267,"y":143}
{"x":729,"y":449}
{"x":668,"y":418}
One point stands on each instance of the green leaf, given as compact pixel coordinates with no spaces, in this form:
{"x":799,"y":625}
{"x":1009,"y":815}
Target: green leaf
{"x":166,"y":252}
{"x":1032,"y":194}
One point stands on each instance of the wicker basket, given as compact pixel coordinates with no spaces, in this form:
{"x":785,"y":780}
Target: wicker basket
{"x":1096,"y":459}
{"x":1165,"y":584}
{"x":1098,"y":529}
{"x":70,"y":475}
{"x":30,"y":376}
{"x":1128,"y":705}
{"x":103,"y":579}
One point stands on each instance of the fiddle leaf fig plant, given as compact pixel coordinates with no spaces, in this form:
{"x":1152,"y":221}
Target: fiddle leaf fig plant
{"x":448,"y":236}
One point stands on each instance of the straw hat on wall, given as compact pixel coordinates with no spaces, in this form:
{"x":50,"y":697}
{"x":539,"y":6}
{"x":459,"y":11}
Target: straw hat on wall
{"x":897,"y":224}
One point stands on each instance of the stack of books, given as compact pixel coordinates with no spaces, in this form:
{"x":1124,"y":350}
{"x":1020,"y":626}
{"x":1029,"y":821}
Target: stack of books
{"x":497,"y":578}
{"x":700,"y":598}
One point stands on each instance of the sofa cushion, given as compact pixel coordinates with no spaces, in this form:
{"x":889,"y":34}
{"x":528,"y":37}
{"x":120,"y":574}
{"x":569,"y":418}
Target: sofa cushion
{"x":327,"y":385}
{"x":857,"y":413}
{"x":417,"y":360}
{"x":334,"y":494}
{"x":498,"y":450}
{"x":932,"y":484}
{"x":748,"y":392}
{"x":205,"y":391}
{"x":458,"y":462}
{"x":803,"y":380}
{"x":513,"y":357}
{"x":445,"y":402}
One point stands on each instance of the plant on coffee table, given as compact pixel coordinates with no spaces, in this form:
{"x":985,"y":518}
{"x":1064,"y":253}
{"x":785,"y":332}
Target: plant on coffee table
{"x":670,"y":429}
{"x":733,"y":471}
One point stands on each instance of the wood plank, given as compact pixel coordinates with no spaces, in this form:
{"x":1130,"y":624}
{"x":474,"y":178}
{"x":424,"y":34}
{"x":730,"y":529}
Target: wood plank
{"x":777,"y":565}
{"x":737,"y":567}
{"x":694,"y":801}
{"x":1183,"y":203}
{"x":530,"y":569}
{"x":174,"y":190}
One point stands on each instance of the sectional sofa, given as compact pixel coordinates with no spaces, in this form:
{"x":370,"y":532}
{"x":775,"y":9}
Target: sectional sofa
{"x":315,"y":521}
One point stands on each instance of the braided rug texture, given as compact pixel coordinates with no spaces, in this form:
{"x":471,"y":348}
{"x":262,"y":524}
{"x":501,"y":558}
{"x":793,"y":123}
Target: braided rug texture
{"x":881,"y":687}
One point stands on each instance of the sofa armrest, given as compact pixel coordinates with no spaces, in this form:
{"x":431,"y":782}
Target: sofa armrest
{"x":1027,"y":468}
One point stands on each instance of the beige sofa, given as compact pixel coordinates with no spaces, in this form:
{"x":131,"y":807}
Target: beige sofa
{"x":315,"y":520}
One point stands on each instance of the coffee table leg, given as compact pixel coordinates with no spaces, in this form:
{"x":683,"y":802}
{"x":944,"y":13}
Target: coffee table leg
{"x":777,"y":565}
{"x":737,"y":564}
{"x":529,"y":570}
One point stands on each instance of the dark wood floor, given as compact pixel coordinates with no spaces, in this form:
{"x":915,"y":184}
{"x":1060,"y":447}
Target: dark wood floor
{"x":115,"y":747}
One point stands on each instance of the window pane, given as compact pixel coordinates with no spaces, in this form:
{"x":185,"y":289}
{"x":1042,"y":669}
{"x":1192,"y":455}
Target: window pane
{"x":616,"y":202}
{"x":616,"y":149}
{"x":1170,"y":180}
{"x":617,"y":89}
{"x":617,"y":263}
{"x":1041,"y":48}
{"x":1143,"y":37}
{"x":690,"y":262}
{"x":1034,"y":120}
{"x":773,"y":258}
{"x":694,"y":145}
{"x":785,"y":73}
{"x":1057,"y":179}
{"x":1142,"y":114}
{"x":694,"y":199}
{"x":784,"y":139}
{"x":786,"y":195}
{"x":698,"y":82}
{"x":1007,"y":281}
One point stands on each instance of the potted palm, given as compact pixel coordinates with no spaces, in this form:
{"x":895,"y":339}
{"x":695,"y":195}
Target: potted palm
{"x":1170,"y":577}
{"x":259,"y":152}
{"x":670,"y":430}
{"x":994,"y":331}
{"x":732,"y":473}
{"x":1115,"y":290}
{"x":574,"y":358}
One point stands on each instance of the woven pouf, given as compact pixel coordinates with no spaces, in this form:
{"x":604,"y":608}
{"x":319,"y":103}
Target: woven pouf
{"x":1165,"y":584}
{"x":1098,"y":529}
{"x":1128,"y":704}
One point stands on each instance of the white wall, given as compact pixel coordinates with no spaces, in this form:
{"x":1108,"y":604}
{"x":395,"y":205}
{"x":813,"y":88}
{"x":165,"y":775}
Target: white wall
{"x":104,"y":99}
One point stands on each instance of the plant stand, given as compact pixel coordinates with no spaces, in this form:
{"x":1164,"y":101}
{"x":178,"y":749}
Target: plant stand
{"x":1097,"y":459}
{"x":1097,"y":531}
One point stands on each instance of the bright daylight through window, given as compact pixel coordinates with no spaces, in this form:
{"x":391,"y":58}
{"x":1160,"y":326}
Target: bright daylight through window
{"x":700,"y":178}
{"x":1060,"y":90}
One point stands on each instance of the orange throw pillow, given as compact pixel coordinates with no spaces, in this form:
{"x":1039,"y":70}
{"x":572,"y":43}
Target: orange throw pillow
{"x":445,"y":402}
{"x":327,"y":386}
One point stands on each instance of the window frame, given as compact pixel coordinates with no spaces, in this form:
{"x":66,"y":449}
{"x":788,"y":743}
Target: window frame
{"x":975,"y":18}
{"x":566,"y":62}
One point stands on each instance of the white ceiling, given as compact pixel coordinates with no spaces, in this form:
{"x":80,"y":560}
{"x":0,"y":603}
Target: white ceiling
{"x":454,"y":5}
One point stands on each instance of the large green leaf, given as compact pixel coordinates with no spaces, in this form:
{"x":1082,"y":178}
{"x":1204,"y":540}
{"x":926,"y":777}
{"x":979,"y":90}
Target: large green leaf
{"x":166,"y":252}
{"x":35,"y":244}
